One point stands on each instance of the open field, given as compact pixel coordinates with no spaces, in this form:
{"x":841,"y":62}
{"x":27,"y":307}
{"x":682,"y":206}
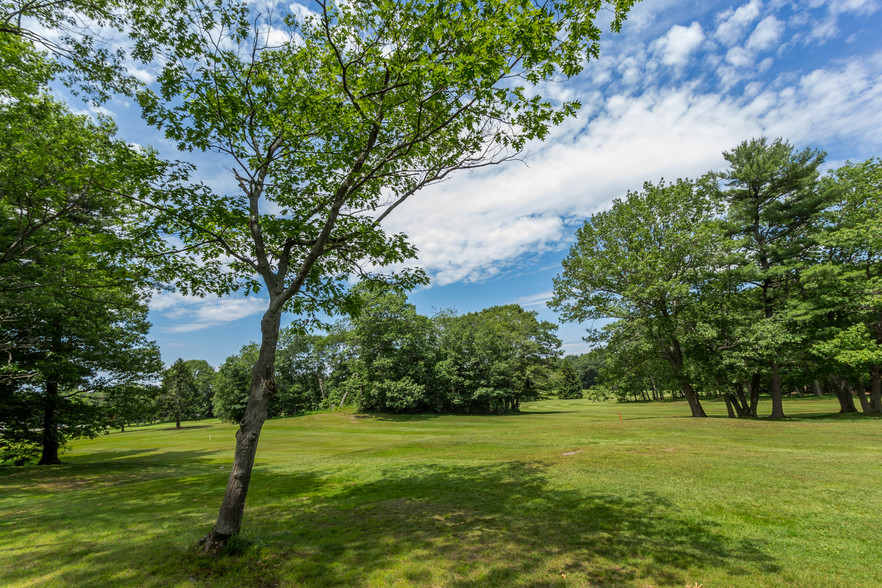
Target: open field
{"x":564,"y":494}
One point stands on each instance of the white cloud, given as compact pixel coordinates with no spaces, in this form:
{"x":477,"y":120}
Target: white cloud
{"x":678,"y":43}
{"x":739,"y":57}
{"x":477,"y":224}
{"x":855,"y":6}
{"x":733,"y":23}
{"x":192,"y":313}
{"x":765,"y":35}
{"x":534,"y":300}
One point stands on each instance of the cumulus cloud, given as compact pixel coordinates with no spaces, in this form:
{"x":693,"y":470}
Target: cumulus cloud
{"x":765,"y":35}
{"x":675,"y":47}
{"x":191,"y":313}
{"x":478,"y":224}
{"x":733,"y":23}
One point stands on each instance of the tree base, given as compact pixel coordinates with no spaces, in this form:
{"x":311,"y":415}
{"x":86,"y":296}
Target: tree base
{"x":213,"y":543}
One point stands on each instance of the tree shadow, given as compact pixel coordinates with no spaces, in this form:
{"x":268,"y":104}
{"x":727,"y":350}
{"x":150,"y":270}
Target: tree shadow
{"x":109,"y":521}
{"x":135,"y":522}
{"x":494,"y":525}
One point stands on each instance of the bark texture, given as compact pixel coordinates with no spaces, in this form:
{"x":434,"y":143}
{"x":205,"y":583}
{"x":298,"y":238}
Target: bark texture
{"x":229,"y":519}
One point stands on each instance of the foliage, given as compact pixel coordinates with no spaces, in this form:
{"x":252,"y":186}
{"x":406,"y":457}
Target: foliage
{"x":72,"y":291}
{"x":491,"y":360}
{"x":394,"y":349}
{"x":568,"y":385}
{"x":180,"y":398}
{"x":232,"y":383}
{"x":641,"y":263}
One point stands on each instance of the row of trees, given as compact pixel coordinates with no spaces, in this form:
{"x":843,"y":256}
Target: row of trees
{"x":389,"y":358}
{"x":761,"y":278}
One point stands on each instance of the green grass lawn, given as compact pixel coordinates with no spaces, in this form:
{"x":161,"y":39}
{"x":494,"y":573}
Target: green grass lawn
{"x":564,"y":494}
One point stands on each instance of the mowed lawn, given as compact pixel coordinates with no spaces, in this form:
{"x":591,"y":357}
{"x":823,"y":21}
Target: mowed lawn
{"x":564,"y":494}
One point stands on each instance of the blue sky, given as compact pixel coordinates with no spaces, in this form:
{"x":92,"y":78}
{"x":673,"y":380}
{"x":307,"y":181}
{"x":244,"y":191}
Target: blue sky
{"x":684,"y":81}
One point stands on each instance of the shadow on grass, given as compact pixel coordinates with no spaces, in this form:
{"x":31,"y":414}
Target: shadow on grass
{"x":495,"y":525}
{"x":135,"y":521}
{"x":184,"y":428}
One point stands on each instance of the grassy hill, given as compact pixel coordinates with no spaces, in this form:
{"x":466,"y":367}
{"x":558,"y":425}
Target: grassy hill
{"x":568,"y":493}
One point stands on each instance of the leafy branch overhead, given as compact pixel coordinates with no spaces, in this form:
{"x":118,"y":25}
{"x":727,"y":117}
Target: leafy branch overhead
{"x":359,"y":107}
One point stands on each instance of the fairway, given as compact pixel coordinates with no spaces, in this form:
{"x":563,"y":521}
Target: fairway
{"x":567,"y":493}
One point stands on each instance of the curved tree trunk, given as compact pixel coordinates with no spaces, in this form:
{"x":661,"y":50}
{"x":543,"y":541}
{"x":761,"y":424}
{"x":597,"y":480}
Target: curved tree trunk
{"x":692,"y":399}
{"x":843,"y":395}
{"x":229,"y":519}
{"x":675,"y":358}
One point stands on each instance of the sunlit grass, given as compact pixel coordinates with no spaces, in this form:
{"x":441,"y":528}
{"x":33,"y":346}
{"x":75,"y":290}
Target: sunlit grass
{"x":568,"y":493}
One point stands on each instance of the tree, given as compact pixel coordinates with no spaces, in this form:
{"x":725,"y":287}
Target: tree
{"x":203,"y":377}
{"x":362,"y":105}
{"x":489,"y":361}
{"x":641,"y":263}
{"x":588,"y":366}
{"x":128,"y":403}
{"x":773,"y":204}
{"x":70,"y":282}
{"x":394,"y":350}
{"x":844,"y":288}
{"x":568,"y":386}
{"x":180,"y":397}
{"x":77,"y":34}
{"x":232,"y":384}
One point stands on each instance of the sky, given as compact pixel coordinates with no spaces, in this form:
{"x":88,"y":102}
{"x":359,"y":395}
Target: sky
{"x":682,"y":82}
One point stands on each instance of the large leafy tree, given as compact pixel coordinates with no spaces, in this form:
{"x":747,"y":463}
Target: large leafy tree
{"x":843,"y":290}
{"x":641,"y":264}
{"x":773,"y":205}
{"x":394,"y":349}
{"x":568,"y":384}
{"x":71,"y":291}
{"x":489,"y":361}
{"x":180,"y":397}
{"x":329,"y":124}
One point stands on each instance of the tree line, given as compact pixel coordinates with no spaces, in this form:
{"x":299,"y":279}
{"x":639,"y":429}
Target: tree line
{"x":760,"y":279}
{"x":389,"y":358}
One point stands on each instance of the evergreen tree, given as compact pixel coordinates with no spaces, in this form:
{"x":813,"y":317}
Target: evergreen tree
{"x":568,"y":385}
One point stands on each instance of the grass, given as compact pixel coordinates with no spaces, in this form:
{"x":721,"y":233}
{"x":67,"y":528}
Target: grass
{"x":565,"y":494}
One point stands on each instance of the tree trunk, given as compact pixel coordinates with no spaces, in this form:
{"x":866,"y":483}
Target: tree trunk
{"x":739,"y":403}
{"x":816,"y":387}
{"x":742,"y":407}
{"x":777,"y":392}
{"x":675,"y":358}
{"x":229,"y":519}
{"x":692,"y":399}
{"x":843,"y":395}
{"x":754,"y":394}
{"x":177,"y":422}
{"x":876,"y":389}
{"x":729,"y":410}
{"x":50,"y":424}
{"x":862,"y":396}
{"x":122,"y":428}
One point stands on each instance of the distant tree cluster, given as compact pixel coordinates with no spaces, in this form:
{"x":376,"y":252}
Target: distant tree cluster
{"x":762,"y":279}
{"x":389,"y":358}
